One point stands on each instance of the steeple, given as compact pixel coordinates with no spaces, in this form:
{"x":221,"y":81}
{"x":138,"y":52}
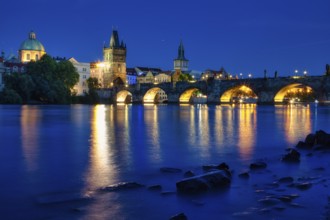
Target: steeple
{"x":181,"y":52}
{"x":181,"y":63}
{"x":114,"y":40}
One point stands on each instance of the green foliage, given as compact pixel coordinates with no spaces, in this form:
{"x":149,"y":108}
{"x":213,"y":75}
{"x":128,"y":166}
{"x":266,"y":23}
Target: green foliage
{"x":185,"y":77}
{"x":92,"y":97}
{"x":45,"y":81}
{"x":10,"y":96}
{"x":22,"y":84}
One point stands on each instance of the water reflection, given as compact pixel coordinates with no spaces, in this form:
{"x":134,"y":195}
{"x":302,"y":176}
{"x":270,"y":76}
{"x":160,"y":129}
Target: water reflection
{"x":247,"y":121}
{"x":101,"y":170}
{"x":30,"y":119}
{"x":295,"y":120}
{"x":152,"y":129}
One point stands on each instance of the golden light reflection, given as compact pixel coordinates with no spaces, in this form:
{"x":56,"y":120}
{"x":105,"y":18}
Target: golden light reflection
{"x":243,"y":92}
{"x":30,"y":117}
{"x":101,"y":171}
{"x":151,"y":120}
{"x":247,"y":120}
{"x":296,"y":121}
{"x":200,"y":132}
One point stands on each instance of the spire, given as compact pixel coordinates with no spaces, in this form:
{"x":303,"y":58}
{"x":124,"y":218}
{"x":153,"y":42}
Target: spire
{"x":181,"y":52}
{"x":114,"y":40}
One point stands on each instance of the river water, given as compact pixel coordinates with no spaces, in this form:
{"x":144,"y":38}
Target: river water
{"x":54,"y":158}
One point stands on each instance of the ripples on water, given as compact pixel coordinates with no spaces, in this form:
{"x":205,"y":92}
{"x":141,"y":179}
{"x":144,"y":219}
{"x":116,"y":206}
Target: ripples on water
{"x":79,"y":148}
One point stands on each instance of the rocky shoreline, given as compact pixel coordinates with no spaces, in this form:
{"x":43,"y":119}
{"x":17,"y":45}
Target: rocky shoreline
{"x":275,"y":193}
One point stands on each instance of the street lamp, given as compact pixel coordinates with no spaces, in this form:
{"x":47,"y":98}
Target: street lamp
{"x":296,"y":72}
{"x":241,"y":75}
{"x":305,"y":73}
{"x":250,"y":75}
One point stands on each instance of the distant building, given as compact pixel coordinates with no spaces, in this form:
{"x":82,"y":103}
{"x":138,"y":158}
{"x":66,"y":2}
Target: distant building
{"x":114,"y":58}
{"x":131,"y":76}
{"x":31,"y":49}
{"x":14,"y":65}
{"x":3,"y":70}
{"x":163,"y":77}
{"x":97,"y":70}
{"x":145,"y":77}
{"x":83,"y":70}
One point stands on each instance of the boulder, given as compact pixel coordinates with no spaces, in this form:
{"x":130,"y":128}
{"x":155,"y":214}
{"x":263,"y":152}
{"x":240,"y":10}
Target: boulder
{"x":303,"y":145}
{"x":121,"y":186}
{"x":204,"y":182}
{"x":258,"y":165}
{"x":180,"y":216}
{"x":310,"y":140}
{"x":222,"y":166}
{"x":322,"y":138}
{"x":292,"y":156}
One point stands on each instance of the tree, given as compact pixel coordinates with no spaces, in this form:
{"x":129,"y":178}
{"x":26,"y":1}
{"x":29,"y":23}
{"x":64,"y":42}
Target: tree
{"x":185,"y":77}
{"x":54,"y":81}
{"x":92,"y":96}
{"x":10,"y":96}
{"x":22,"y":84}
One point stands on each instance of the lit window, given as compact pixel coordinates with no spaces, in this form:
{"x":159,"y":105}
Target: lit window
{"x":37,"y":57}
{"x":28,"y":56}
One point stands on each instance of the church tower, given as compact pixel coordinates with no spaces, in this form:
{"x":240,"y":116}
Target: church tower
{"x":181,"y":63}
{"x":114,"y":58}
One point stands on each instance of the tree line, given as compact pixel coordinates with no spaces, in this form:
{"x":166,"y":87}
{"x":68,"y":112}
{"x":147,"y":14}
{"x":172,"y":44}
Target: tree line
{"x":46,"y":81}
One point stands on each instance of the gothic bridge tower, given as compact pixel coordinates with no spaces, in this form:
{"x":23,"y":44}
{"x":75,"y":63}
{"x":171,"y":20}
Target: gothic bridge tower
{"x":114,"y":58}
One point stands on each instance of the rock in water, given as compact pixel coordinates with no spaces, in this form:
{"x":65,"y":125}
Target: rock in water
{"x":121,"y":186}
{"x":258,"y":165}
{"x":204,"y":182}
{"x":180,"y":216}
{"x":292,"y":156}
{"x":322,"y":138}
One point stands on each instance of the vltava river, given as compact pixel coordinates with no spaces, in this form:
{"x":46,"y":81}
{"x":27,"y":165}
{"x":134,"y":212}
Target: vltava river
{"x":53,"y":156}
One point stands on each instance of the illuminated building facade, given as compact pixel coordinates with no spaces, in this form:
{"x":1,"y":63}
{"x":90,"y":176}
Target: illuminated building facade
{"x":31,"y":49}
{"x":114,"y":58}
{"x":83,"y":69}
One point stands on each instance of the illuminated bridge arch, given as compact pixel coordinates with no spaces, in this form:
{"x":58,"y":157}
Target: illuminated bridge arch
{"x":240,"y":93}
{"x":124,"y":96}
{"x":192,"y":95}
{"x":292,"y":88}
{"x":155,"y":95}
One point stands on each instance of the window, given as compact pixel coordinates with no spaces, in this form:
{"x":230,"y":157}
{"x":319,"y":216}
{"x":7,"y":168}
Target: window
{"x":28,"y":56}
{"x":84,"y":69}
{"x":84,"y":76}
{"x":37,"y":57}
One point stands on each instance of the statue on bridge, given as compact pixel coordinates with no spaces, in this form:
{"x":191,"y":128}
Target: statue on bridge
{"x":327,"y":70}
{"x":265,"y":74}
{"x":275,"y":74}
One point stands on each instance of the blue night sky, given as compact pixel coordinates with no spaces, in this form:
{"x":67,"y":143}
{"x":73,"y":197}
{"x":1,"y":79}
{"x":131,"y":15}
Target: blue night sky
{"x":243,"y":36}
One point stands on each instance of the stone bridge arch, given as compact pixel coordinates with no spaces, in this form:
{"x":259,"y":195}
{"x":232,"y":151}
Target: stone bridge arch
{"x":193,"y":95}
{"x":240,"y":93}
{"x":279,"y":96}
{"x":124,"y":96}
{"x":155,"y":95}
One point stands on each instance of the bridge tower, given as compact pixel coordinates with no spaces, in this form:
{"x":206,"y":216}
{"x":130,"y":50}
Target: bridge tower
{"x":181,"y":63}
{"x":114,"y":58}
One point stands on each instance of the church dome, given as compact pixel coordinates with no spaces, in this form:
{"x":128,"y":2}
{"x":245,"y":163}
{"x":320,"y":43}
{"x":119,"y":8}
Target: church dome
{"x":32,"y":43}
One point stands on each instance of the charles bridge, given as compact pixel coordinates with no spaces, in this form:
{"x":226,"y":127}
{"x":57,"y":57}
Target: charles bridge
{"x":267,"y":90}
